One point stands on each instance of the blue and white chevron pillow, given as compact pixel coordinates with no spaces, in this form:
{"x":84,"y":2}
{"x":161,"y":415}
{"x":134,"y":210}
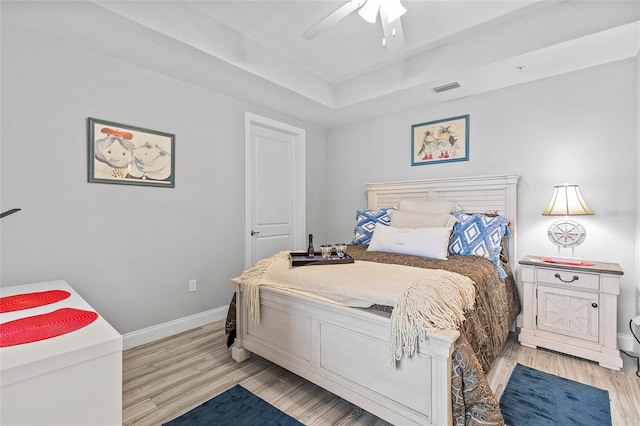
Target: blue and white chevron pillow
{"x":366,"y":223}
{"x":479,"y":235}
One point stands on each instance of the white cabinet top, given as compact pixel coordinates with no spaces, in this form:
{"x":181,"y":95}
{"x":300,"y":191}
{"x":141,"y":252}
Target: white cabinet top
{"x":21,"y":362}
{"x":595,"y":267}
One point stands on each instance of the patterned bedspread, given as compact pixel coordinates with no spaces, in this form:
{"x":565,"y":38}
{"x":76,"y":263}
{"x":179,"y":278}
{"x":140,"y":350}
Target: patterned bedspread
{"x":482,"y":334}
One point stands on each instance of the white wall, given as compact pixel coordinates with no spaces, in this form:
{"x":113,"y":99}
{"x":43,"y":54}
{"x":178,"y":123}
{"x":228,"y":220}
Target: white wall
{"x":576,"y":128}
{"x":129,"y":250}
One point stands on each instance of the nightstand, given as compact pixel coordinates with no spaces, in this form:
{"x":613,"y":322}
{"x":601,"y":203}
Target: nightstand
{"x":572,"y":309}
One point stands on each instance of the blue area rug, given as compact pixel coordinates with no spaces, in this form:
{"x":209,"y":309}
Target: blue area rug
{"x":235,"y":407}
{"x":536,"y":398}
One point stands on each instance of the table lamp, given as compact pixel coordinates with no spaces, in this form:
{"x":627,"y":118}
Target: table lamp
{"x":567,"y":201}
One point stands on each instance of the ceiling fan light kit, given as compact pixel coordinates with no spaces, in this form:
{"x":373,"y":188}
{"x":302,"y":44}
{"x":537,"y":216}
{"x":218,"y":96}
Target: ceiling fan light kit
{"x":390,"y":12}
{"x":369,"y":12}
{"x":393,"y":8}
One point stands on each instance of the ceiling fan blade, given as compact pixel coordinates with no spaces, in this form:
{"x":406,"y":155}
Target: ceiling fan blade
{"x":333,"y":18}
{"x":392,"y":32}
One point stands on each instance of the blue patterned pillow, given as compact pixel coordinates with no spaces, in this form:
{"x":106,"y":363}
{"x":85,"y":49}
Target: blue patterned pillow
{"x":366,"y":223}
{"x":479,"y":235}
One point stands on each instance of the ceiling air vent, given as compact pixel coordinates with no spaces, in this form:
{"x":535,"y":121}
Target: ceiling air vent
{"x":445,"y":87}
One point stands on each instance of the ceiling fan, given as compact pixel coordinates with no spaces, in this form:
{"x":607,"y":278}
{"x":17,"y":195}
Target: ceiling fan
{"x":390,"y":12}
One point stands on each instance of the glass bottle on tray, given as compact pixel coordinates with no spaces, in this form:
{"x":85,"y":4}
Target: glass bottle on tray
{"x":310,"y":251}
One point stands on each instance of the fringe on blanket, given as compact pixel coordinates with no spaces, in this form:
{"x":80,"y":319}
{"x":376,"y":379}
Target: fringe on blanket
{"x":414,"y":316}
{"x":255,"y":273}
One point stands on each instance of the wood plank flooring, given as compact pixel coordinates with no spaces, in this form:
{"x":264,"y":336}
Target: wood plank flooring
{"x":163,"y":379}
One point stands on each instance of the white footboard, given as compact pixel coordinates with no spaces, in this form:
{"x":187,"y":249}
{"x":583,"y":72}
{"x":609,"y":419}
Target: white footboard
{"x":346,"y":351}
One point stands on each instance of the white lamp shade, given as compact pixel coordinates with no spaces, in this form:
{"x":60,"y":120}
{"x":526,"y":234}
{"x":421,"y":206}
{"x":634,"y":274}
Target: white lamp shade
{"x":567,"y":201}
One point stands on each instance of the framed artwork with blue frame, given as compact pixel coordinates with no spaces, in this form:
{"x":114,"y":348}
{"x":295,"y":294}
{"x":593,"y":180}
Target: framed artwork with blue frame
{"x":440,"y":141}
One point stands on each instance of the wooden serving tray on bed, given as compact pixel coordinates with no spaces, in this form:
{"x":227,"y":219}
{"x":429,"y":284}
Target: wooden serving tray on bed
{"x":299,"y":258}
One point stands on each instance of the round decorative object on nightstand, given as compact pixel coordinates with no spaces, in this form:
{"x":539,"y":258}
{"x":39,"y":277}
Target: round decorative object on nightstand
{"x":566,"y":233}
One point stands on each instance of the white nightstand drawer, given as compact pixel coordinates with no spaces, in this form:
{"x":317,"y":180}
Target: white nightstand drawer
{"x":569,"y":278}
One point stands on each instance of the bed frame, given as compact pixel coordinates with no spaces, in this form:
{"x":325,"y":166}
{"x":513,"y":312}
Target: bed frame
{"x":346,"y":350}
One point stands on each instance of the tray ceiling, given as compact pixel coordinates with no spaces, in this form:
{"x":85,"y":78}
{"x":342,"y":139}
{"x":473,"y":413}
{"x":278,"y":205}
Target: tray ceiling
{"x":254,"y":51}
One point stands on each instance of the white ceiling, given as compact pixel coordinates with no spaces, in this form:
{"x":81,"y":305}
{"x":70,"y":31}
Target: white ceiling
{"x":254,"y":51}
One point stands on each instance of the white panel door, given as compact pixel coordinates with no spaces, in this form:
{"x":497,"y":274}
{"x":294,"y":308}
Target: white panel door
{"x":275,"y":185}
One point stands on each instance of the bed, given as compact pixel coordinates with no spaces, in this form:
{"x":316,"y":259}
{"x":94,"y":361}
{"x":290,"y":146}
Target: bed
{"x":346,"y":350}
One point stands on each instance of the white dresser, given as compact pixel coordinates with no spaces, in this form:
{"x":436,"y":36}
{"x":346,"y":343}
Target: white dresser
{"x":72,"y":379}
{"x":572,"y":309}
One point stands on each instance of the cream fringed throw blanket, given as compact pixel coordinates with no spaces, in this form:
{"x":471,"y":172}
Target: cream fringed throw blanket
{"x":423,"y":300}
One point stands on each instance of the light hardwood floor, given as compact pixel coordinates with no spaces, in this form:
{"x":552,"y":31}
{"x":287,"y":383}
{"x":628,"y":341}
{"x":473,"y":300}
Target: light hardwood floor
{"x":164,"y":379}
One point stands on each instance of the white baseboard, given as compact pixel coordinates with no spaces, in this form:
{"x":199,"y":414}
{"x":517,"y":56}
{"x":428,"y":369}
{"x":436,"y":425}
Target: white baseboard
{"x":519,"y":320}
{"x":626,"y":342}
{"x":160,"y":331}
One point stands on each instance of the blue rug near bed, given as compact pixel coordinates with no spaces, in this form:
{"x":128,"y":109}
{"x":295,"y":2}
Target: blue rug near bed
{"x":536,"y":398}
{"x":235,"y":407}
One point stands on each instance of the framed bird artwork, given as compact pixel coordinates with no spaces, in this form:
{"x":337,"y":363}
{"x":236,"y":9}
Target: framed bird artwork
{"x":440,"y":141}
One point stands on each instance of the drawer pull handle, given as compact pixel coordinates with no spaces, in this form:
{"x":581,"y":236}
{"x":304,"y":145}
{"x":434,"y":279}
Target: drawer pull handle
{"x":595,"y":305}
{"x":575,"y":278}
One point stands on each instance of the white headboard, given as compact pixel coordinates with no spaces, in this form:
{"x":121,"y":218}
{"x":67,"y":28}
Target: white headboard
{"x":474,"y":194}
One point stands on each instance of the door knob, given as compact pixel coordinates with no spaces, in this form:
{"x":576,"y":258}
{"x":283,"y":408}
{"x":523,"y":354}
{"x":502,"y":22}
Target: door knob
{"x":254,"y":232}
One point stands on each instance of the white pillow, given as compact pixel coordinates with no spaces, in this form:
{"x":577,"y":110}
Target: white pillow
{"x":409,"y":219}
{"x":427,"y":206}
{"x":425,"y":242}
